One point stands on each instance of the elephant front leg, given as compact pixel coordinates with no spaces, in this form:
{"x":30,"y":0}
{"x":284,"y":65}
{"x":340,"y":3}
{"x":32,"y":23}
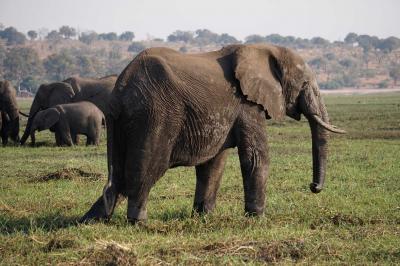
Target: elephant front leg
{"x":208,"y":178}
{"x":254,"y":162}
{"x":98,"y":211}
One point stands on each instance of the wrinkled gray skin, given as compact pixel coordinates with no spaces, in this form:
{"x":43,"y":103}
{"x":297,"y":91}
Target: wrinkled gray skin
{"x":168,"y":109}
{"x":69,"y":120}
{"x":9,"y":114}
{"x":74,"y":89}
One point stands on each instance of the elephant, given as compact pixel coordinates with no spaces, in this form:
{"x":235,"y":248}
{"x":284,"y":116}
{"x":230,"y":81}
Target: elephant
{"x":9,"y":113}
{"x":69,"y":120}
{"x":74,"y":89}
{"x":169,"y":109}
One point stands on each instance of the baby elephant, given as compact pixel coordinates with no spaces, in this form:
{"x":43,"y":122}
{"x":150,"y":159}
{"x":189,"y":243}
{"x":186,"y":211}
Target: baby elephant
{"x":69,"y":120}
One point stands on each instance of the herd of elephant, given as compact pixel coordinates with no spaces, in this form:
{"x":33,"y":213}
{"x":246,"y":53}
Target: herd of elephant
{"x":69,"y":108}
{"x":168,"y":109}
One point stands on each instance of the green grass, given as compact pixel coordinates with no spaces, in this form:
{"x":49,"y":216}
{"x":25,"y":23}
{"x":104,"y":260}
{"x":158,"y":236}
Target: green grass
{"x":355,"y":220}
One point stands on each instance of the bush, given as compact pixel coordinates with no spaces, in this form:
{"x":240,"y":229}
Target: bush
{"x":136,"y":47}
{"x":383,"y":84}
{"x":330,"y":85}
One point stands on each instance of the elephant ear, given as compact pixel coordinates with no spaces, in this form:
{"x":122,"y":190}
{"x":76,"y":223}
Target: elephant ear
{"x":73,"y":81}
{"x":51,"y":117}
{"x":258,"y":72}
{"x":61,"y":92}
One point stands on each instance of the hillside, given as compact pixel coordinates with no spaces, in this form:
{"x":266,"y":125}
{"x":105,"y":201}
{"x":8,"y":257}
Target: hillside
{"x":358,"y":62}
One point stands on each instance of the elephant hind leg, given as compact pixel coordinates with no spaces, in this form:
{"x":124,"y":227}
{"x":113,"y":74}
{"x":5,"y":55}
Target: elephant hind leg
{"x":208,"y":179}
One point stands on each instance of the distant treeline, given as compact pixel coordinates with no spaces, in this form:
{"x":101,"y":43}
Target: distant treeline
{"x":200,"y":37}
{"x":54,"y":55}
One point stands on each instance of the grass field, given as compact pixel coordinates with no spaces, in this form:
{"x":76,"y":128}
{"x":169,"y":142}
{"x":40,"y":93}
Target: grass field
{"x":355,"y":220}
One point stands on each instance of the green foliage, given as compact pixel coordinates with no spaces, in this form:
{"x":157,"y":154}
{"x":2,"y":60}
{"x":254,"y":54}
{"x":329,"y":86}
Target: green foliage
{"x":88,"y":37}
{"x":67,"y":32}
{"x":30,"y":83}
{"x":53,"y":36}
{"x":59,"y":66}
{"x":383,"y":84}
{"x":183,"y":49}
{"x":351,"y":38}
{"x":180,"y":36}
{"x":318,"y":41}
{"x":394,"y":73}
{"x":353,"y":221}
{"x":12,"y":36}
{"x":111,"y":36}
{"x":21,"y":62}
{"x":389,"y":44}
{"x":136,"y":47}
{"x":32,"y":34}
{"x":127,"y":36}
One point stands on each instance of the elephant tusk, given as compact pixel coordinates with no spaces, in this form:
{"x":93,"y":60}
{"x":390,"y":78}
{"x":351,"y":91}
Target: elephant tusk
{"x":327,"y":126}
{"x":21,"y":113}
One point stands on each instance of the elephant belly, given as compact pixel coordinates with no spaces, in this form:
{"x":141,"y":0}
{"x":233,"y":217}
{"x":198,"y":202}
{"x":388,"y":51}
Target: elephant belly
{"x":202,"y":137}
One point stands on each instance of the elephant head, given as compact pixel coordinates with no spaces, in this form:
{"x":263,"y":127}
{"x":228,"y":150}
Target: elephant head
{"x":280,"y":82}
{"x":8,"y":105}
{"x":45,"y":119}
{"x":48,"y":95}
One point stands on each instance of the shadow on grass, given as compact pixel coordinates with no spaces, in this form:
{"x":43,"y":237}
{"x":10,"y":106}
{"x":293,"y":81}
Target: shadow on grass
{"x":176,"y":214}
{"x":41,"y":144}
{"x":48,"y":223}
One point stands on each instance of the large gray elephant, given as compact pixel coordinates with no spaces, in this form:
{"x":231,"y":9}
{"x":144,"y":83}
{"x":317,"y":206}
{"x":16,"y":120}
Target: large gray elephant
{"x":74,"y":89}
{"x":69,"y":120}
{"x":168,"y":109}
{"x":9,"y":113}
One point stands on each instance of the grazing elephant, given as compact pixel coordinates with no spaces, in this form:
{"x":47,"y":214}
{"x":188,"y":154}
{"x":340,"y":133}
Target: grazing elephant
{"x":75,"y":89}
{"x":9,"y":114}
{"x":69,"y":120}
{"x":168,"y":109}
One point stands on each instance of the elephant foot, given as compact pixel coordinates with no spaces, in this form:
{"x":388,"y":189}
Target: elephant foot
{"x":96,"y":213}
{"x":252,"y":209}
{"x":203,"y":207}
{"x":136,"y":214}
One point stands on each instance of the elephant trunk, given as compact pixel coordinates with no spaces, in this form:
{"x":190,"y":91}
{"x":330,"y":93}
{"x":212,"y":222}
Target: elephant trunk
{"x":313,"y":107}
{"x":319,"y":153}
{"x":33,"y":111}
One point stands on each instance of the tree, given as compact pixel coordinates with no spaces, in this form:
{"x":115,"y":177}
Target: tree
{"x":21,"y":62}
{"x":53,"y":36}
{"x":255,"y":39}
{"x":180,"y":36}
{"x":319,"y":41}
{"x":88,"y":37}
{"x":136,"y":47}
{"x":389,"y":44}
{"x":86,"y":66}
{"x":127,"y":36}
{"x":367,"y":42}
{"x":394,"y":73}
{"x":183,"y":49}
{"x":205,"y":36}
{"x":111,"y":36}
{"x":12,"y":36}
{"x":30,"y":83}
{"x":59,"y":66}
{"x":351,"y":38}
{"x":32,"y":34}
{"x":3,"y":53}
{"x":225,"y":38}
{"x":67,"y":32}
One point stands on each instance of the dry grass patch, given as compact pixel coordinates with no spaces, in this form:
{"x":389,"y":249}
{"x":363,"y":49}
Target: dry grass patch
{"x":69,"y":174}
